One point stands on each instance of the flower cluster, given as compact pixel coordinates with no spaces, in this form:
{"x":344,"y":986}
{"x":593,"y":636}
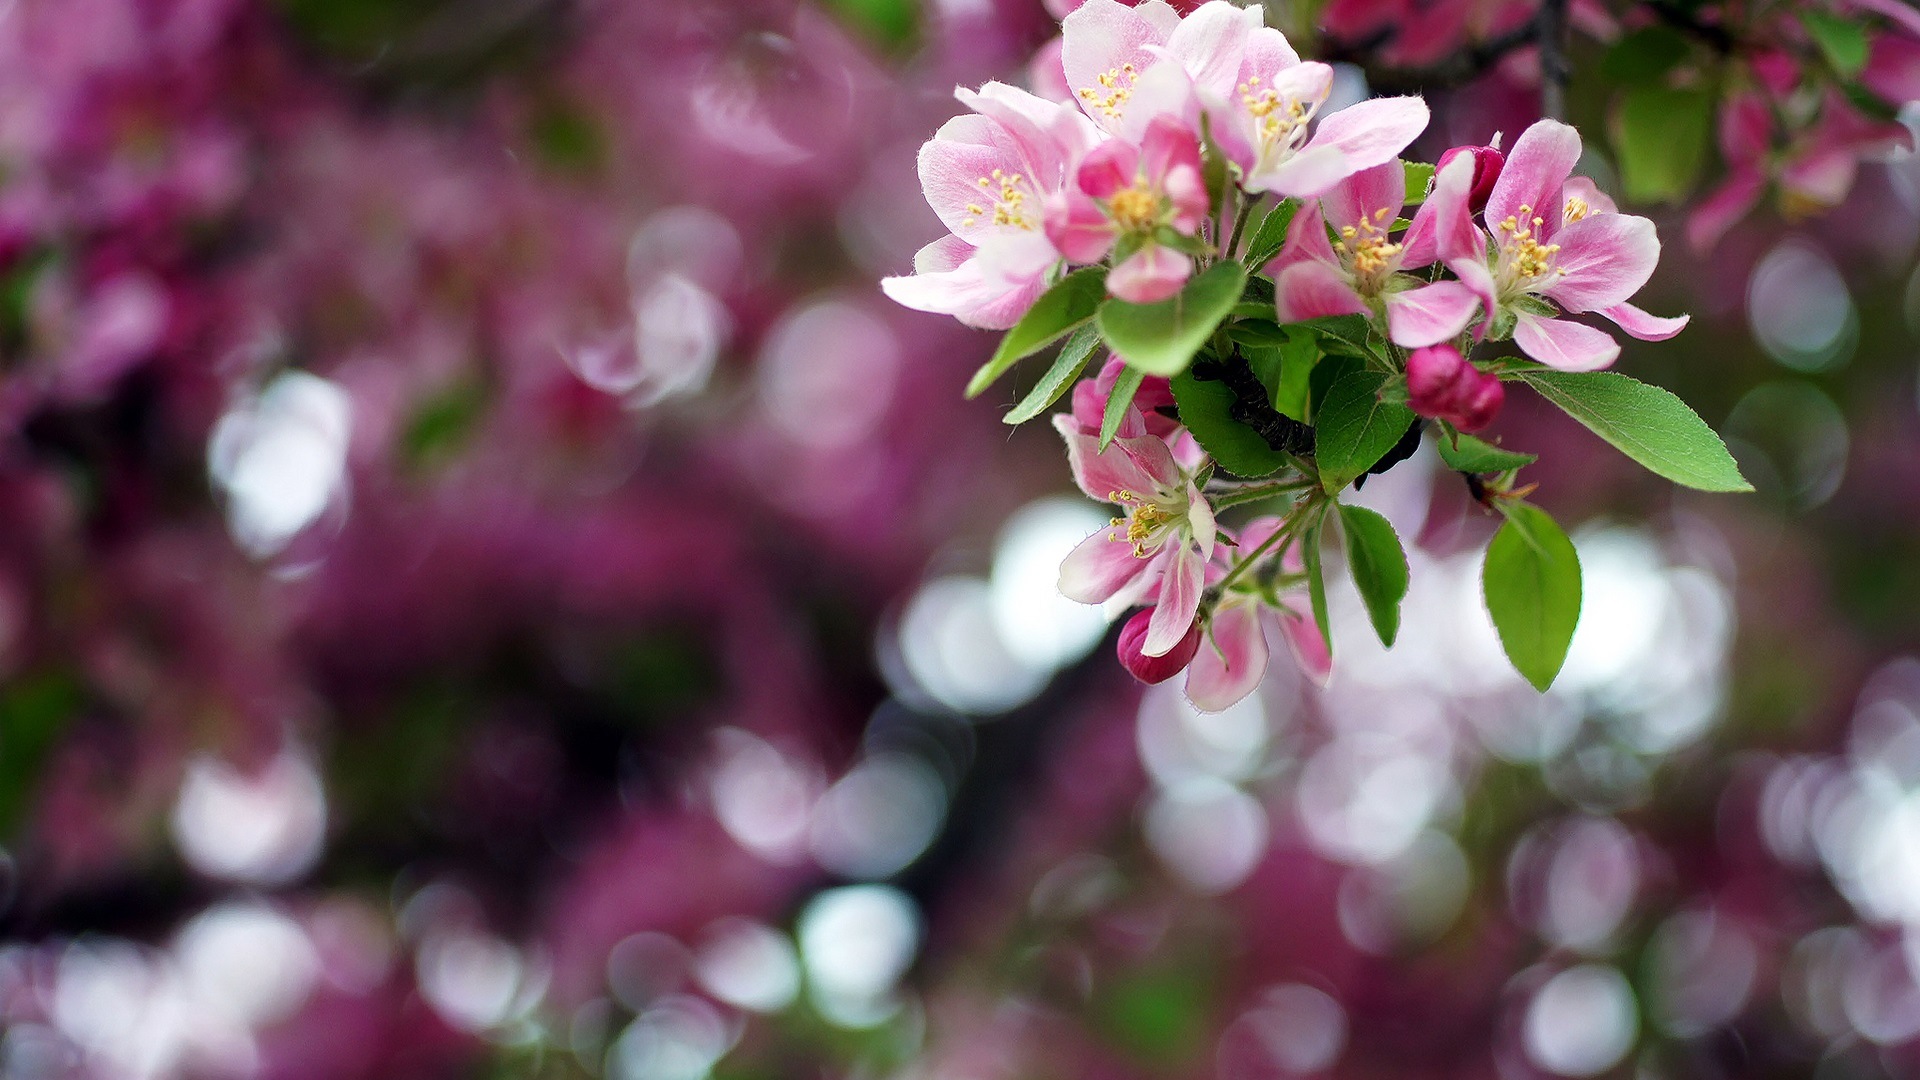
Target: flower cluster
{"x":1277,"y":328}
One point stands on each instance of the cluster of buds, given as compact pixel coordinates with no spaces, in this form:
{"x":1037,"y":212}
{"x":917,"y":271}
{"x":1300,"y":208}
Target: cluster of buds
{"x":1276,"y":329}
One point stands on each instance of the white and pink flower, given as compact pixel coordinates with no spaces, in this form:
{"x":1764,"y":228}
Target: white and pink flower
{"x":1360,"y":273}
{"x":1556,"y":238}
{"x":988,"y":176}
{"x":1123,"y":200}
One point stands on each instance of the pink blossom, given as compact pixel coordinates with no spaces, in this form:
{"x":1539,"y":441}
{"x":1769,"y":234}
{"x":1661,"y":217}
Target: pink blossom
{"x":1122,"y":197}
{"x":1360,"y":274}
{"x":1158,"y":552}
{"x":1129,"y":66}
{"x":987,"y":175}
{"x":1556,"y":238}
{"x":1233,"y":658}
{"x":1487,"y":163}
{"x":1443,"y":385}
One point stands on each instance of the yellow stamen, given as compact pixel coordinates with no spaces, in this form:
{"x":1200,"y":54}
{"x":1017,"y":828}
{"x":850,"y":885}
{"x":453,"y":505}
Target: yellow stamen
{"x":1135,"y":209}
{"x":1110,"y":97}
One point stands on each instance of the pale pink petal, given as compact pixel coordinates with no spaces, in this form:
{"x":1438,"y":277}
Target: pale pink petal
{"x":1154,"y":458}
{"x":1541,"y":160}
{"x":1718,"y":212}
{"x":1030,"y":121}
{"x":1078,"y":227}
{"x":1309,"y":646}
{"x":1150,"y":275}
{"x":1107,"y":168}
{"x":1746,"y":129}
{"x":1231,"y":661}
{"x":1180,"y":589}
{"x":1362,"y":197}
{"x":1644,"y":325}
{"x":1100,"y":566}
{"x":1306,"y":242}
{"x":1045,"y":75}
{"x":1430,"y":314}
{"x":1200,"y":521}
{"x":1566,"y":345}
{"x":1309,"y":290}
{"x":1162,"y":92}
{"x":952,"y":163}
{"x":1211,"y":42}
{"x":1603,"y":260}
{"x":1267,"y":55}
{"x":1103,"y":474}
{"x":1371,"y":132}
{"x":966,"y":291}
{"x":1589,"y":194}
{"x":1102,"y":37}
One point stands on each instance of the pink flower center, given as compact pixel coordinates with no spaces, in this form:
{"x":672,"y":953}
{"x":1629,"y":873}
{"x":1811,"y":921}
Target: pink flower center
{"x":1135,"y":209}
{"x":1369,"y":252}
{"x":1146,"y":522}
{"x":1009,"y":193}
{"x":1110,"y":96}
{"x":1279,"y":122}
{"x":1523,"y":258}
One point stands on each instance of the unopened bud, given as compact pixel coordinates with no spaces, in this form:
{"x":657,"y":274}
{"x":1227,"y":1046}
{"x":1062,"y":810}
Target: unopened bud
{"x":1487,"y":163}
{"x":1441,"y":384}
{"x":1154,"y":669}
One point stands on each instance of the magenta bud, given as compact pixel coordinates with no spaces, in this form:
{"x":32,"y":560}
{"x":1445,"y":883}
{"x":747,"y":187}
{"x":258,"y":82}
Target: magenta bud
{"x":1433,"y":374}
{"x":1487,"y":163}
{"x":1154,"y":669}
{"x":1481,"y":404}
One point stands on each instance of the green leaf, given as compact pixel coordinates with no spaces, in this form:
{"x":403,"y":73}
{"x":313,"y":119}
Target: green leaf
{"x":1160,"y":339}
{"x":1842,"y":41}
{"x":1346,"y":334}
{"x":1291,"y":390}
{"x":1316,"y":580}
{"x":1379,"y":568}
{"x":1419,"y":177}
{"x":1646,"y":423}
{"x":1271,"y":235}
{"x":1644,"y":55}
{"x":1206,"y":408}
{"x":1354,"y":428}
{"x":1662,"y":135}
{"x":1531,"y":581}
{"x":1471,"y":455}
{"x":1124,"y":387}
{"x":1066,"y":368}
{"x":1059,"y":311}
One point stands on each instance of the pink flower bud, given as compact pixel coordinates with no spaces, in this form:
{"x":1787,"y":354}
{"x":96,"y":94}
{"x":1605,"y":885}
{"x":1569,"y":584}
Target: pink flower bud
{"x":1487,"y":163}
{"x":1154,"y":669}
{"x":1481,"y":404}
{"x":1432,"y":375}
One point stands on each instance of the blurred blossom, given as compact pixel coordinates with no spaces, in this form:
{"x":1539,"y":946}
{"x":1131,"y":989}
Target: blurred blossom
{"x":1210,"y":833}
{"x":855,"y":943}
{"x":1581,"y":1022}
{"x":762,"y":797}
{"x":1702,"y":967}
{"x":1409,"y":900}
{"x":827,"y":374}
{"x":1029,"y":614}
{"x":1800,"y":309}
{"x":281,"y":459}
{"x":1298,"y":1028}
{"x":748,"y":965}
{"x":1179,"y":742}
{"x":247,"y":960}
{"x":475,"y":980}
{"x":680,"y":1038}
{"x":950,"y":645}
{"x":1792,"y":440}
{"x":261,"y":827}
{"x":879,"y":817}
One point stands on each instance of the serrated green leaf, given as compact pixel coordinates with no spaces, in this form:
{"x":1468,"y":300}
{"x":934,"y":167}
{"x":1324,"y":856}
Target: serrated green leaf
{"x":1271,"y":235}
{"x":1842,"y":41}
{"x":1353,"y":428}
{"x":1061,"y":310}
{"x":1066,"y":368}
{"x":1379,"y":568}
{"x":1347,"y":334}
{"x":1124,"y":387}
{"x":1316,"y":581}
{"x":1662,"y":134}
{"x":1419,"y":178}
{"x":1206,"y":408}
{"x":1471,"y":455}
{"x":1646,"y":423}
{"x":1531,"y":583}
{"x":1161,"y":339}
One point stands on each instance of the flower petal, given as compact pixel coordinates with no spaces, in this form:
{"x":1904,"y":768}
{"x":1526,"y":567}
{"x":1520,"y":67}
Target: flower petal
{"x":1078,"y":227}
{"x":1541,"y":160}
{"x":1179,"y":600}
{"x":1430,"y":314}
{"x":1309,"y":646}
{"x":1718,"y":212}
{"x":970,"y":289}
{"x":1102,"y":37}
{"x":1603,"y":260}
{"x":1568,"y":346}
{"x":1211,"y":42}
{"x":1306,"y":241}
{"x":1308,"y":290}
{"x":1371,"y":132}
{"x":1150,"y":275}
{"x":1100,"y":566}
{"x":1643,"y":325}
{"x":1103,"y":474}
{"x":1231,"y":661}
{"x":1363,"y":195}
